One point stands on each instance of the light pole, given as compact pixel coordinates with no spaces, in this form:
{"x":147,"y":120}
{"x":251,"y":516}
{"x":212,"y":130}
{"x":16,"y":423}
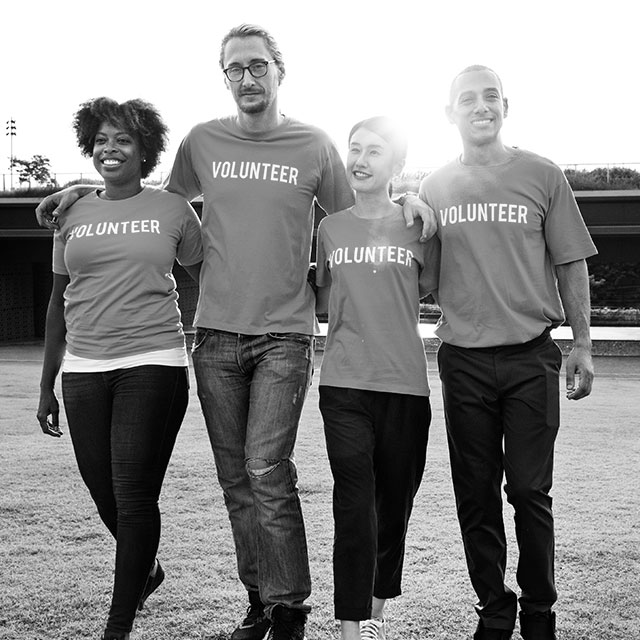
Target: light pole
{"x":11,"y":132}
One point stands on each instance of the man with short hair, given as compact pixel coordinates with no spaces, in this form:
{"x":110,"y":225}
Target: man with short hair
{"x":512,"y":248}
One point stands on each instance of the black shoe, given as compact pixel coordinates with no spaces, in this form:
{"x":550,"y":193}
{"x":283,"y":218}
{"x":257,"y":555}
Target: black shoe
{"x":540,"y":625}
{"x":288,"y":624}
{"x":115,"y":635}
{"x":489,"y":633}
{"x":256,"y":624}
{"x":153,"y":582}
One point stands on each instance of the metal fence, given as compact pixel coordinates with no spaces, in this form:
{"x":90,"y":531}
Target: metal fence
{"x":156,"y":178}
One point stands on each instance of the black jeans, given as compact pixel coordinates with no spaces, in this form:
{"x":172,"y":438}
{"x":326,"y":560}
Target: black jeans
{"x":123,"y":425}
{"x":502,"y":415}
{"x":377,"y":445}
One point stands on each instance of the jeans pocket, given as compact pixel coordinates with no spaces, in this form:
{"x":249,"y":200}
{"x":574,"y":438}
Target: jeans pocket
{"x":199,"y":339}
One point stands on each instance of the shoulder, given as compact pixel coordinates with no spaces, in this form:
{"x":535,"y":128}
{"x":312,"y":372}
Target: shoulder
{"x":297,"y":128}
{"x":535,"y":160}
{"x":441,"y":174}
{"x":209,"y":127}
{"x":538,"y":167}
{"x":335,"y":220}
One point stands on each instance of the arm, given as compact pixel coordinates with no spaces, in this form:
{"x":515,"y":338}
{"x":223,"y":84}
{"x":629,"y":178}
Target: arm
{"x":413,"y":207}
{"x":54,"y":205}
{"x":573,"y":285}
{"x":322,"y":300}
{"x":54,"y":345}
{"x":193,"y":270}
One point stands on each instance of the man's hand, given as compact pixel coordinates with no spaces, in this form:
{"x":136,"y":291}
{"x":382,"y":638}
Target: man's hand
{"x":580,"y":366}
{"x":414,"y":208}
{"x":51,"y":207}
{"x":48,"y":406}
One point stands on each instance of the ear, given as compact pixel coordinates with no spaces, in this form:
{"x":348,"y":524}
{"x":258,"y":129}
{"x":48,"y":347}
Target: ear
{"x":505,"y":106}
{"x":448,"y":110}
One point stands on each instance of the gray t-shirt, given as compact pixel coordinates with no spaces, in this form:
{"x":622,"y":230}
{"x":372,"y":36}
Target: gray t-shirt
{"x":502,"y":229}
{"x":376,"y":272}
{"x":121,"y":299}
{"x":257,"y":220}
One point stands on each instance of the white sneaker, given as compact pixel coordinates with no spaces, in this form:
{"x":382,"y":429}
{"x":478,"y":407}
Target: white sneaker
{"x":373,"y":630}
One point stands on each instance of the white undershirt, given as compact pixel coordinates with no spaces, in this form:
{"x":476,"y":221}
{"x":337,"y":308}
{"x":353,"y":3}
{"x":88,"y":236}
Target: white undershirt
{"x":166,"y":357}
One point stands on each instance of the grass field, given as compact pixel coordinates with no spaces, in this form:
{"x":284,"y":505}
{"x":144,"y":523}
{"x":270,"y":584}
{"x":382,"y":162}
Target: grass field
{"x":56,"y":559}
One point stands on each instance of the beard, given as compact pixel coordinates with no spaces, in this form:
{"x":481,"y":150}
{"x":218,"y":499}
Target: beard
{"x":258,"y":104}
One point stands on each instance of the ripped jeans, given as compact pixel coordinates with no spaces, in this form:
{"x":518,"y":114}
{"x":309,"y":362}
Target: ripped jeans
{"x":252,"y":388}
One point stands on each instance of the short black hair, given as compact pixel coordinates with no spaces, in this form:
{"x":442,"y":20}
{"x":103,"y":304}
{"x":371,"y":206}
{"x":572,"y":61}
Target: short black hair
{"x":471,"y":68}
{"x":137,"y":117}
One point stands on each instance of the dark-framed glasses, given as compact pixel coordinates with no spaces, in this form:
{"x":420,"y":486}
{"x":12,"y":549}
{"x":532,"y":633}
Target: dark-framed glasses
{"x":235,"y":73}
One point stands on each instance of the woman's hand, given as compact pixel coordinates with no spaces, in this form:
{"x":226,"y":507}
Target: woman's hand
{"x":49,"y":406}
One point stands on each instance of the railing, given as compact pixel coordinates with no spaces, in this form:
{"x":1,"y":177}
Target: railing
{"x":9,"y":182}
{"x":61,"y":179}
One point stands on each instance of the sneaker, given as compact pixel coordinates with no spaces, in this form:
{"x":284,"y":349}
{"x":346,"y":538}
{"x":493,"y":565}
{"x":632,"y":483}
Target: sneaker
{"x":489,"y":633}
{"x":288,"y":624}
{"x":256,"y":624}
{"x":373,"y":629}
{"x":540,"y":625}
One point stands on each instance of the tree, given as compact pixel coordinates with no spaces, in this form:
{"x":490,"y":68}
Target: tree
{"x":37,"y":169}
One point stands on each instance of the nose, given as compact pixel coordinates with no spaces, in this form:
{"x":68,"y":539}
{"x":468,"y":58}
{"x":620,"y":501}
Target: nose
{"x":361,"y":160}
{"x":247,"y":79}
{"x":480,"y":106}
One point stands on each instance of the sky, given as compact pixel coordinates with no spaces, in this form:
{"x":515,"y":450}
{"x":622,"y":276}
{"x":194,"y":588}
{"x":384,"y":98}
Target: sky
{"x":569,"y":69}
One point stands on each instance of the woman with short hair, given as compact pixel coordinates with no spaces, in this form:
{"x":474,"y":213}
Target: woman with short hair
{"x":114,"y":328}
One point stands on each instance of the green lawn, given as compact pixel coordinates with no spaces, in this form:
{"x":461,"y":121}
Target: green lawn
{"x":56,"y":559}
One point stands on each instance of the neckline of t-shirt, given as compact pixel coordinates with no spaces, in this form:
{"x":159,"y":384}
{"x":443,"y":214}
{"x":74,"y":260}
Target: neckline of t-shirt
{"x":256,"y":135}
{"x":396,"y":214}
{"x":514,"y":155}
{"x":133,"y":197}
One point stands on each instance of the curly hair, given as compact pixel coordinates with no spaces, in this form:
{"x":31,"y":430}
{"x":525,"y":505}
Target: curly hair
{"x":138,"y":117}
{"x":248,"y":30}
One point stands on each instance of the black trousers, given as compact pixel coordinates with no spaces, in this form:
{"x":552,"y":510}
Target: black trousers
{"x":123,"y":426}
{"x":502,"y":415}
{"x":377,"y":445}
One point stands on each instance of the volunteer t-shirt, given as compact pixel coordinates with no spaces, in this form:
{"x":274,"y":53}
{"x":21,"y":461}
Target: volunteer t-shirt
{"x":377,"y":276}
{"x":502,"y":230}
{"x":257,"y":220}
{"x":121,"y":299}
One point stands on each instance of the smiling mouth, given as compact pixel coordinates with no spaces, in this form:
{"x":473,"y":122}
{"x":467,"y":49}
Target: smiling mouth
{"x":360,"y":175}
{"x":111,"y":162}
{"x":482,"y":123}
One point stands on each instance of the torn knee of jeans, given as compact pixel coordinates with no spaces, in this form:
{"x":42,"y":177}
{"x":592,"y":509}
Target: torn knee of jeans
{"x":258,"y":468}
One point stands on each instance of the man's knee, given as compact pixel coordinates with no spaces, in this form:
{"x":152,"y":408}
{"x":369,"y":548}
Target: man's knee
{"x":259,"y":468}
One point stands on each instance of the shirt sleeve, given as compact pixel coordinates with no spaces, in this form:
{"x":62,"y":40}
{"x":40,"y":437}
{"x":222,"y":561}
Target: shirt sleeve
{"x":334,"y":193}
{"x":58,"y":265}
{"x":566,"y":234}
{"x":182,"y":178}
{"x":323,"y":275}
{"x":190,"y":246}
{"x":430,"y":274}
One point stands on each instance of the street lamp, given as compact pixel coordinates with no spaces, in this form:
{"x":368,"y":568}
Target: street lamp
{"x":11,"y":131}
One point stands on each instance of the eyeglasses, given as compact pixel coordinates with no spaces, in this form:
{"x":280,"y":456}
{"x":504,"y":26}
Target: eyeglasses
{"x":256,"y":69}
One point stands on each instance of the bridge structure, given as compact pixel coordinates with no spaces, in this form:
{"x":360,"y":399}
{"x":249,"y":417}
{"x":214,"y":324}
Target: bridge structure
{"x":613,"y":219}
